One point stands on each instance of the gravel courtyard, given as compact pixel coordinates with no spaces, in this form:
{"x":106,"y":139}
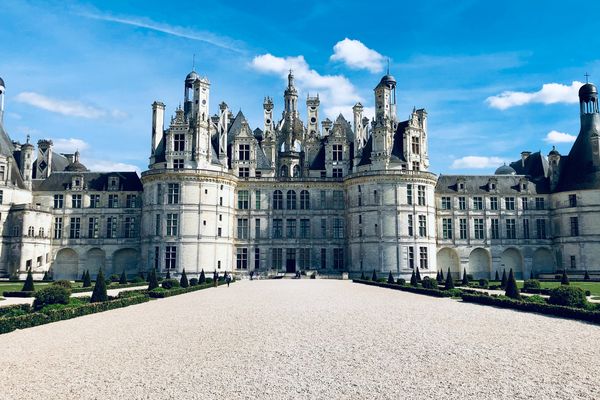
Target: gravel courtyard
{"x":308,"y":339}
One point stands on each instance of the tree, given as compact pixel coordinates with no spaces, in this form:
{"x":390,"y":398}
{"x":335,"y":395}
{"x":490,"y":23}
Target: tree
{"x":168,"y":274}
{"x":362,"y":275}
{"x":465,"y":279}
{"x":565,"y":278}
{"x":503,"y":281}
{"x":183,"y":281}
{"x":83,"y":275}
{"x":202,"y":278}
{"x":418,"y":275}
{"x":374,"y":277}
{"x":123,"y":278}
{"x":497,"y":277}
{"x":28,"y":286}
{"x":99,"y":292}
{"x":87,"y":281}
{"x":437,"y":276}
{"x":152,"y":280}
{"x":586,"y":277}
{"x":442,"y":275}
{"x":390,"y":278}
{"x":413,"y":279}
{"x":449,"y":281}
{"x":512,"y":290}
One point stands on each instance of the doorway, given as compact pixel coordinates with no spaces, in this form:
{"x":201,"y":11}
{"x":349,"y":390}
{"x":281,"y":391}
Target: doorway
{"x":290,"y":260}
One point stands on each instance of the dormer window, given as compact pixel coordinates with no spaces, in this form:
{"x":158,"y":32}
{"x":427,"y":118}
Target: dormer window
{"x":460,"y":184}
{"x":77,"y":182}
{"x":113,"y":183}
{"x":2,"y":172}
{"x":492,"y":185}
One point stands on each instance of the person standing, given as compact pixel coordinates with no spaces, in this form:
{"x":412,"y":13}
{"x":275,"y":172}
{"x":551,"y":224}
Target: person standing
{"x":228,"y":278}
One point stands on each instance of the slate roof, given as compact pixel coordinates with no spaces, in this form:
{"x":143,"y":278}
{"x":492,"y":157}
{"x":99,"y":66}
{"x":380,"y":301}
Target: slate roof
{"x":398,"y":146}
{"x":262,"y":162}
{"x":59,"y":181}
{"x":478,"y":184}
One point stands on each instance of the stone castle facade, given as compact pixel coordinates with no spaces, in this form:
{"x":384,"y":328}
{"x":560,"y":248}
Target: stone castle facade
{"x":331,"y":196}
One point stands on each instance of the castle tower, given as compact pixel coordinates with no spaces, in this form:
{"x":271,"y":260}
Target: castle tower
{"x":553,"y":167}
{"x":291,"y":96}
{"x":269,"y":140}
{"x":201,"y":118}
{"x":385,"y":121}
{"x":222,"y":127}
{"x":590,"y":120}
{"x":188,"y":104}
{"x":27,"y":162}
{"x":2,"y":90}
{"x":359,"y":131}
{"x":312,"y":106}
{"x":158,"y":122}
{"x":415,"y":141}
{"x":44,"y":159}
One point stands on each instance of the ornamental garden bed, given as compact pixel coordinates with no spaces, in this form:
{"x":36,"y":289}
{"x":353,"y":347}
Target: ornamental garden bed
{"x":161,"y":292}
{"x":413,"y":289}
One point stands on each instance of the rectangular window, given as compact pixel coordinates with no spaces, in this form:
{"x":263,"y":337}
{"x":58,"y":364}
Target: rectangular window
{"x":338,"y":259}
{"x":157,"y":225}
{"x":277,"y":228}
{"x":323,"y":258}
{"x":243,"y":200}
{"x":178,"y":163}
{"x":509,"y":203}
{"x":257,"y":199}
{"x":338,"y":228}
{"x":524,"y":203}
{"x":244,"y":172}
{"x":244,"y":152}
{"x":58,"y":200}
{"x":58,"y":221}
{"x":242,"y":258}
{"x":410,"y":225}
{"x":447,"y":228}
{"x":111,"y":227}
{"x":75,"y":228}
{"x":170,"y":257}
{"x":511,"y":229}
{"x":572,"y":200}
{"x":156,"y":257}
{"x":323,"y":228}
{"x":76,"y":201}
{"x":415,"y":145}
{"x":415,"y":165}
{"x":93,"y":229}
{"x":113,"y":201}
{"x":479,"y":228}
{"x":409,"y":194}
{"x":376,"y":197}
{"x":257,"y":228}
{"x":305,"y":228}
{"x":291,"y":228}
{"x":94,"y":201}
{"x":421,"y":195}
{"x":256,"y":258}
{"x":277,"y":258}
{"x":541,"y":228}
{"x":493,"y":203}
{"x":462,"y":203}
{"x":172,"y":224}
{"x":462,"y":228}
{"x":525,"y":229}
{"x":242,"y":228}
{"x":173,"y":193}
{"x":337,"y":173}
{"x":573,"y":262}
{"x":422,"y":225}
{"x":411,"y":257}
{"x":131,"y":201}
{"x":338,"y":199}
{"x":304,"y":258}
{"x":337,"y":152}
{"x":159,"y":193}
{"x":446,"y":203}
{"x":540,"y":203}
{"x":219,"y":232}
{"x":574,"y":226}
{"x":423,"y":263}
{"x":478,"y":203}
{"x":179,"y":142}
{"x":323,"y":199}
{"x":495,"y":228}
{"x":130,"y":227}
{"x":1,"y":196}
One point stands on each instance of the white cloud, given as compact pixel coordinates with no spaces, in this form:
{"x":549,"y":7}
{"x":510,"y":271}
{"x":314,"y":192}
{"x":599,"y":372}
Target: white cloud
{"x":476,"y":162}
{"x":69,"y":108}
{"x":69,"y":145}
{"x":550,"y":93}
{"x":555,"y":137}
{"x":335,"y":91}
{"x":356,"y":55}
{"x":108,"y":166}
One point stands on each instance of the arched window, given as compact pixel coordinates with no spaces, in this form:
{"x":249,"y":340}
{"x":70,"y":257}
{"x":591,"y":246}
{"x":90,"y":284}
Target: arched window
{"x":277,"y":200}
{"x":284,"y":171}
{"x":31,"y":231}
{"x":304,"y":200}
{"x":296,"y":171}
{"x":291,"y":200}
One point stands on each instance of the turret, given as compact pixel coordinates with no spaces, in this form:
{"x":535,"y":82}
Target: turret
{"x":590,"y":119}
{"x":222,"y":127}
{"x":326,"y":125}
{"x":44,"y":159}
{"x":268,"y":115}
{"x":553,"y":167}
{"x":2,"y":89}
{"x":312,"y":106}
{"x":27,"y":162}
{"x":291,"y":96}
{"x":158,"y":120}
{"x":188,"y":93}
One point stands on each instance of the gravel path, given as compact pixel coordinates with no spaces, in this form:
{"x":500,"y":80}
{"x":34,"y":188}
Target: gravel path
{"x":308,"y":339}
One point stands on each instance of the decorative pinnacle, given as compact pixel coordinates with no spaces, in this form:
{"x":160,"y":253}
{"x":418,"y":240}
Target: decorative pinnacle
{"x":586,"y":77}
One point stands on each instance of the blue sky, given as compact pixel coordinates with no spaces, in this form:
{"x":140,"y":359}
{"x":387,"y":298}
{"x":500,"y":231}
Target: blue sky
{"x":496,"y":78}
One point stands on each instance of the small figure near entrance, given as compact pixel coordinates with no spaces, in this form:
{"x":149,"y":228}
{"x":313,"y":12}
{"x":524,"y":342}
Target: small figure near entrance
{"x":228,"y":278}
{"x":251,"y":275}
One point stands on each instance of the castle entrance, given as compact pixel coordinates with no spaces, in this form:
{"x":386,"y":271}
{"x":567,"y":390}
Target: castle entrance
{"x":290,"y":260}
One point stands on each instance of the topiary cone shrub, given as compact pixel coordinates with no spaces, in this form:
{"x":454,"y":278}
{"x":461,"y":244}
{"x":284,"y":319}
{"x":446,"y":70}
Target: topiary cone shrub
{"x":497,"y":277}
{"x":437,"y":276}
{"x":390,"y":278}
{"x":202,"y":278}
{"x":565,"y":278}
{"x":99,"y":292}
{"x":503,"y":281}
{"x":87,"y":281}
{"x":374,"y":277}
{"x":418,"y":274}
{"x":586,"y":277}
{"x":28,"y":285}
{"x":449,"y":281}
{"x":152,"y":281}
{"x":123,"y":278}
{"x":168,"y":274}
{"x":413,"y":279}
{"x":568,"y":296}
{"x":183,"y":281}
{"x":46,"y":277}
{"x":512,"y":290}
{"x":465,"y":279}
{"x":442,"y":276}
{"x":362,"y":275}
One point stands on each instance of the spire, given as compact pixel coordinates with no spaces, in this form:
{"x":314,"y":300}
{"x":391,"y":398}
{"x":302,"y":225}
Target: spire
{"x":291,"y":79}
{"x":586,"y":77}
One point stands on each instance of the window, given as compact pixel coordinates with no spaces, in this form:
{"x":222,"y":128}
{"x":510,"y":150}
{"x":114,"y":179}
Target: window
{"x":493,"y":203}
{"x":244,"y":152}
{"x":337,"y":152}
{"x":572,"y":200}
{"x":415,"y":165}
{"x":291,"y":200}
{"x":113,"y":201}
{"x":422,"y":225}
{"x":277,"y":200}
{"x":256,"y":258}
{"x":243,"y":200}
{"x":219,"y":232}
{"x":242,"y":228}
{"x":156,"y":257}
{"x":376,"y":197}
{"x":257,"y":228}
{"x":58,"y":227}
{"x":573,"y":262}
{"x":304,"y":200}
{"x":76,"y":201}
{"x":462,"y":203}
{"x":479,"y":228}
{"x":338,"y":228}
{"x":75,"y":228}
{"x":323,"y":264}
{"x":1,"y":195}
{"x":411,"y":257}
{"x":495,"y":228}
{"x":421,"y":195}
{"x":41,"y":232}
{"x":2,"y":173}
{"x":509,"y":203}
{"x":178,"y":163}
{"x":525,"y":229}
{"x":410,"y":225}
{"x":244,"y":172}
{"x":337,"y":172}
{"x":157,"y":225}
{"x":159,"y":194}
{"x":93,"y":230}
{"x":39,"y":261}
{"x":170,"y":257}
{"x":277,"y":228}
{"x":172,"y":222}
{"x":173,"y":193}
{"x":574,"y":226}
{"x":359,"y":200}
{"x":541,"y":228}
{"x":462,"y":228}
{"x":179,"y":142}
{"x":221,"y":201}
{"x":304,"y":261}
{"x":257,"y":199}
{"x":305,"y":228}
{"x":416,"y":148}
{"x":446,"y":203}
{"x":130,"y":227}
{"x":409,"y":194}
{"x":131,"y":201}
{"x":323,"y":199}
{"x":31,"y":231}
{"x":291,"y":228}
{"x":338,"y":258}
{"x":539,"y":203}
{"x":447,"y":228}
{"x":338,"y":199}
{"x":111,"y":227}
{"x":423,"y":263}
{"x":323,"y":227}
{"x":524,"y":203}
{"x":511,"y":229}
{"x":242,"y":258}
{"x":257,"y":174}
{"x":58,"y":201}
{"x":94,"y":200}
{"x":478,"y":203}
{"x":277,"y":258}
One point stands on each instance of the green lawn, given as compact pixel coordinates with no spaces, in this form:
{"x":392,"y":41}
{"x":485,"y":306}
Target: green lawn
{"x":17,"y":286}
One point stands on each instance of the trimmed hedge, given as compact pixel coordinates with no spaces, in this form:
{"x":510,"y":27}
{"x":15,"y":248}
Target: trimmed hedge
{"x":18,"y":294}
{"x":548,"y":309}
{"x":412,"y":289}
{"x":109,"y":287}
{"x":38,"y":318}
{"x":160,"y":293}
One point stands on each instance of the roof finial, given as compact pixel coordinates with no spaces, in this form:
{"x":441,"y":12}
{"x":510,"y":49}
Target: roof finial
{"x":28,"y":137}
{"x":586,"y":77}
{"x":388,"y":66}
